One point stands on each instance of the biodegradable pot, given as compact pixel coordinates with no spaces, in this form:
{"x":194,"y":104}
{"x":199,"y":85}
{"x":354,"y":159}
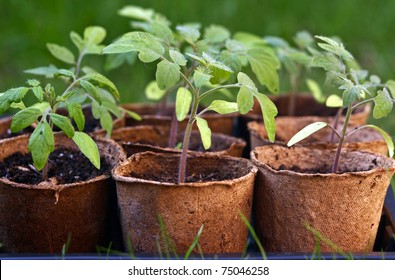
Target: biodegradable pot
{"x":145,"y":138}
{"x":368,"y":139}
{"x":38,"y":218}
{"x":152,"y":114}
{"x":5,"y":132}
{"x":185,"y":207}
{"x":345,"y":207}
{"x":308,"y":110}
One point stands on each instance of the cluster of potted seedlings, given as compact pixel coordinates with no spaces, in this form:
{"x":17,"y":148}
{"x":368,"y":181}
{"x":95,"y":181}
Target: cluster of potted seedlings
{"x":75,"y":163}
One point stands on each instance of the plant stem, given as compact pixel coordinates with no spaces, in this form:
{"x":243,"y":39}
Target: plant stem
{"x":173,"y":131}
{"x":204,"y":94}
{"x":187,"y":136}
{"x":335,"y":165}
{"x":78,"y":65}
{"x":336,"y":123}
{"x":292,"y":100}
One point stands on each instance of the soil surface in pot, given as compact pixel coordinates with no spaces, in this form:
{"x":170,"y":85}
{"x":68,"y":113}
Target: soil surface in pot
{"x":66,"y":166}
{"x":9,"y":134}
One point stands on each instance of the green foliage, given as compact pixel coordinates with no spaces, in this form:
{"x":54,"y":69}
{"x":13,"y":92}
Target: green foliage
{"x":41,"y":144}
{"x":88,"y":147}
{"x":306,"y":132}
{"x":205,"y":132}
{"x":183,"y":103}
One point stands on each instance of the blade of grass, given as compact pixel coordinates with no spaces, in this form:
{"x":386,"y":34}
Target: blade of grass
{"x":194,"y":243}
{"x":167,"y":241}
{"x":253,"y":234}
{"x":159,"y":248}
{"x":65,"y":247}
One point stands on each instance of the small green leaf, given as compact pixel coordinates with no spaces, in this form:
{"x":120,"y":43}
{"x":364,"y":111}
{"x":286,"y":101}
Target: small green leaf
{"x":153,"y":92}
{"x":334,"y":101}
{"x":148,"y":57}
{"x":24,"y":118}
{"x":303,"y":39}
{"x":197,"y":58}
{"x":334,"y":47}
{"x":94,"y":35}
{"x":88,"y":147}
{"x":382,"y":104}
{"x":13,"y":95}
{"x":216,"y":34}
{"x":269,"y":112}
{"x":306,"y":132}
{"x":136,"y":12}
{"x":63,"y":123}
{"x":327,"y":61}
{"x":190,"y":33}
{"x":41,"y":144}
{"x":48,"y":71}
{"x":61,"y":53}
{"x":114,"y":61}
{"x":101,"y":81}
{"x":42,"y":106}
{"x":33,"y":82}
{"x":38,"y":93}
{"x":265,"y":64}
{"x":248,"y":39}
{"x":64,"y":73}
{"x":77,"y":40}
{"x":178,"y":57}
{"x":75,"y":112}
{"x":205,"y":132}
{"x":101,"y":113}
{"x":19,"y":105}
{"x":91,"y":90}
{"x":246,"y":81}
{"x":245,"y":100}
{"x":391,"y":87}
{"x":132,"y":114}
{"x":387,"y":138}
{"x":200,"y":78}
{"x":223,"y":107}
{"x":352,"y":94}
{"x":183,"y":103}
{"x":315,"y":90}
{"x":167,"y":74}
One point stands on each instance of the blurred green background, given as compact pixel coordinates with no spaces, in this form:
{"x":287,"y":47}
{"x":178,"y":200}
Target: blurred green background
{"x":365,"y":26}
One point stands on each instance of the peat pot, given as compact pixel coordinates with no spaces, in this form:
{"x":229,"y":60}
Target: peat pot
{"x":40,"y":218}
{"x":152,"y":114}
{"x":368,"y":139}
{"x":147,"y":190}
{"x":292,"y":199}
{"x":137,"y":139}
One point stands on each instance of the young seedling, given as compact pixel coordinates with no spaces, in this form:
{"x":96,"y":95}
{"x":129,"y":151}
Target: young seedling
{"x":185,"y":42}
{"x":201,"y":74}
{"x":102,"y":100}
{"x":295,"y":60}
{"x":336,"y":60}
{"x":44,"y":114}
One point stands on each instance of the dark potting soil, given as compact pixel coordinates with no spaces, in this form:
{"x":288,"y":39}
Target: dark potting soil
{"x":326,"y":169}
{"x":168,"y":177}
{"x":67,"y":166}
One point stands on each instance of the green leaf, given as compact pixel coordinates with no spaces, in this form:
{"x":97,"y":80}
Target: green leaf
{"x":24,"y":118}
{"x":75,"y":112}
{"x":216,"y":34}
{"x":248,"y":39}
{"x":391,"y":87}
{"x":61,"y":53}
{"x":327,"y":61}
{"x":13,"y":95}
{"x":48,"y":71}
{"x":41,"y":144}
{"x":63,"y":123}
{"x":276,"y":42}
{"x":190,"y":33}
{"x":112,"y":108}
{"x":88,"y":147}
{"x":101,"y":81}
{"x":77,"y":40}
{"x":265,"y":64}
{"x":136,"y":41}
{"x":315,"y":90}
{"x":153,"y":92}
{"x":91,"y":90}
{"x":65,"y":73}
{"x":306,"y":132}
{"x":167,"y":74}
{"x":42,"y":106}
{"x":269,"y":112}
{"x":220,"y":72}
{"x":352,"y":94}
{"x":136,"y":12}
{"x":113,"y":61}
{"x":303,"y":39}
{"x":33,"y":82}
{"x":101,"y":113}
{"x":334,"y":101}
{"x":205,"y":132}
{"x":197,"y":58}
{"x":245,"y":100}
{"x":334,"y":47}
{"x":94,"y":35}
{"x":38,"y":93}
{"x":132,"y":114}
{"x":200,"y":78}
{"x":246,"y":81}
{"x":223,"y":107}
{"x":183,"y":103}
{"x":387,"y":138}
{"x":382,"y":104}
{"x":148,"y":57}
{"x":178,"y":57}
{"x":19,"y":105}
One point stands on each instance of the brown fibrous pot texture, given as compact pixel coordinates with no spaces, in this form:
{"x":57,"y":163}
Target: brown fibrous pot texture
{"x":40,"y":218}
{"x":343,"y":208}
{"x":184,"y":208}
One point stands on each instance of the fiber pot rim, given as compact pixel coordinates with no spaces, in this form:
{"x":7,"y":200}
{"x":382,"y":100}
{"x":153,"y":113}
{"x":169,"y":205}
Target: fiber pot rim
{"x":252,"y":172}
{"x":47,"y":185}
{"x":321,"y":175}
